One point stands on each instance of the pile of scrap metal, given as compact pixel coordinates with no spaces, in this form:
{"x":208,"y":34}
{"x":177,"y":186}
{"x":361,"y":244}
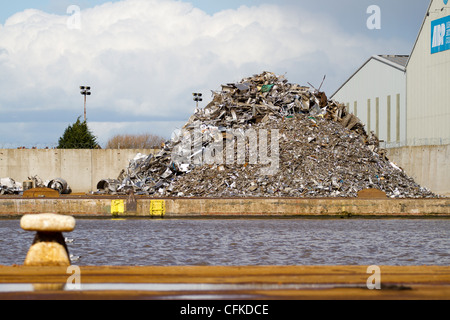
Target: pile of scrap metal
{"x":323,"y":150}
{"x":255,"y":99}
{"x":10,"y":187}
{"x":57,"y":184}
{"x":317,"y":158}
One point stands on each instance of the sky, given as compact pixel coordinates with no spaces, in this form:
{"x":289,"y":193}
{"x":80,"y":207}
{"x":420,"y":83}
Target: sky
{"x":144,"y":58}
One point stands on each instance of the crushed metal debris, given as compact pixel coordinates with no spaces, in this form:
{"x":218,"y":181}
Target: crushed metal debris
{"x":10,"y":187}
{"x":322,"y":150}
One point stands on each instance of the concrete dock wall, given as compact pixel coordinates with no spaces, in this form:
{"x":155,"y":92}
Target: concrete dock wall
{"x":204,"y":207}
{"x":428,"y":165}
{"x":82,"y":169}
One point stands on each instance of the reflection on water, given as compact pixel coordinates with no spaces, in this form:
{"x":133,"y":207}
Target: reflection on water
{"x":199,"y":287}
{"x":229,"y":242}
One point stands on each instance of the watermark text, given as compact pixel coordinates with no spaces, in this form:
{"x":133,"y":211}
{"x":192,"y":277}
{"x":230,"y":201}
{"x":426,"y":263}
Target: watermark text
{"x":374,"y":20}
{"x":374,"y":281}
{"x":208,"y":145}
{"x":74,"y":281}
{"x":74,"y":21}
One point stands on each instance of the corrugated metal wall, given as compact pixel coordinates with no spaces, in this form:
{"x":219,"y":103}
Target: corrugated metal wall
{"x":428,"y":87}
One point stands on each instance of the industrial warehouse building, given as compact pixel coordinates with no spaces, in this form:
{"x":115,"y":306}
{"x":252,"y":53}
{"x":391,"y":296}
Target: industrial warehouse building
{"x":376,"y":94}
{"x":405,"y":100}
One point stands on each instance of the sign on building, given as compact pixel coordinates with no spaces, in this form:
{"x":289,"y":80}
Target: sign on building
{"x":440,"y":35}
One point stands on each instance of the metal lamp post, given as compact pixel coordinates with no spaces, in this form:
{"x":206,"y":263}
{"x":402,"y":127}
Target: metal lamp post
{"x":85,"y":91}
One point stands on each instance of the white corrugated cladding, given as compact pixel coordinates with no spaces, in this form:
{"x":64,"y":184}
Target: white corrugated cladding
{"x":428,"y":83}
{"x":376,"y":94}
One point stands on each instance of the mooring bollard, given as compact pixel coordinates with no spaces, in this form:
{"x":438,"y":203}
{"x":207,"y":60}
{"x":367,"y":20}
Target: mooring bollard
{"x":49,"y":247}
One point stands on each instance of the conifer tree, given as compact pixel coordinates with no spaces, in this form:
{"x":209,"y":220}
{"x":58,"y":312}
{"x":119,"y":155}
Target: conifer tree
{"x":78,"y":136}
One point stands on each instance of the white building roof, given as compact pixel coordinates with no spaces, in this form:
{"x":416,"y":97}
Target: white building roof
{"x":396,"y":61}
{"x":420,"y":31}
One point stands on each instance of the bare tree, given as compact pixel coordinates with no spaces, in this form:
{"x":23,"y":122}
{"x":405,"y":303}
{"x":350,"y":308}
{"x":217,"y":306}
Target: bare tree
{"x":138,"y":141}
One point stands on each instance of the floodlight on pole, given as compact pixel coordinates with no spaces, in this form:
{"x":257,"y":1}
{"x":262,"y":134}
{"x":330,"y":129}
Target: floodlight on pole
{"x":197,"y":98}
{"x":85,"y":91}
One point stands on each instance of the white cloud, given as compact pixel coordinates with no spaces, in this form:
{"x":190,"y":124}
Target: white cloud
{"x":144,"y":58}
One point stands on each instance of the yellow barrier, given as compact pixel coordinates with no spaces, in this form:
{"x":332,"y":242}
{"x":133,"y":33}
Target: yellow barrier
{"x":117,"y":207}
{"x":157,"y":208}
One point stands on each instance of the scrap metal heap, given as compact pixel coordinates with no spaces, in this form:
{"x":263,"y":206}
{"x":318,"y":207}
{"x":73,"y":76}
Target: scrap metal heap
{"x":323,"y":150}
{"x":9,"y":186}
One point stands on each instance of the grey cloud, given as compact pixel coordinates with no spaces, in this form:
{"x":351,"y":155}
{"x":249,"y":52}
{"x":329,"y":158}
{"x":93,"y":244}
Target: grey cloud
{"x":143,"y":59}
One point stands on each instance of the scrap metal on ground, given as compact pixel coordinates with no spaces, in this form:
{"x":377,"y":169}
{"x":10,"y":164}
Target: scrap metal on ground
{"x":9,"y":186}
{"x":322,"y":150}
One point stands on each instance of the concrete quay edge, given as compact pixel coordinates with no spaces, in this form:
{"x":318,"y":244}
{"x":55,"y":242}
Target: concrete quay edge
{"x":234,"y":207}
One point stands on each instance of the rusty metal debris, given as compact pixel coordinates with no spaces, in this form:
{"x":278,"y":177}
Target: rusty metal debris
{"x":10,"y":187}
{"x":323,"y":150}
{"x":41,"y":193}
{"x":57,"y":184}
